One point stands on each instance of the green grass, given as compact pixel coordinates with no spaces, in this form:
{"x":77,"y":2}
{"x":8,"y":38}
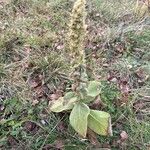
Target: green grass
{"x":32,"y":51}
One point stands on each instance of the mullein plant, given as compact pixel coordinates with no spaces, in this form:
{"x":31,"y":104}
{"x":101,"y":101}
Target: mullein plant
{"x":77,"y":99}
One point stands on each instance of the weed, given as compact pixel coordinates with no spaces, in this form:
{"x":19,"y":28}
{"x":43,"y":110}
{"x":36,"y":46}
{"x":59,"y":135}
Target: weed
{"x":32,"y":43}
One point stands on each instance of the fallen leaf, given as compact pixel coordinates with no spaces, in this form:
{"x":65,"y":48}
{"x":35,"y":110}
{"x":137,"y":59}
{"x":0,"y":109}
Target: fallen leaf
{"x":1,"y":108}
{"x":140,"y":73}
{"x":56,"y":95}
{"x":61,"y":126}
{"x":106,"y":146}
{"x":97,"y":104}
{"x":53,"y":97}
{"x":93,"y":138}
{"x":125,"y":89}
{"x":124,"y":136}
{"x":29,"y":126}
{"x":48,"y":147}
{"x":33,"y":83}
{"x":12,"y":141}
{"x":35,"y":102}
{"x":39,"y":92}
{"x":26,"y":65}
{"x":139,"y":105}
{"x":27,"y":49}
{"x":59,"y":144}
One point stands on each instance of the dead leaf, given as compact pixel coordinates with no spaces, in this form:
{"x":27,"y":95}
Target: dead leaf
{"x":32,"y":83}
{"x":27,"y":65}
{"x":12,"y":141}
{"x":119,"y":125}
{"x":124,"y":136}
{"x":56,"y":95}
{"x":139,"y":105}
{"x":59,"y":144}
{"x":61,"y":126}
{"x":106,"y":146}
{"x":124,"y":88}
{"x":1,"y":108}
{"x":93,"y":138}
{"x":48,"y":147}
{"x":119,"y":48}
{"x":35,"y":102}
{"x":35,"y":81}
{"x":29,"y":126}
{"x":16,"y":58}
{"x":27,"y":50}
{"x":142,"y":75}
{"x":39,"y":92}
{"x":97,"y":104}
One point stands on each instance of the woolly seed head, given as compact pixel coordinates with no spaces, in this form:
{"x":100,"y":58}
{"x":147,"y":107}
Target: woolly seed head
{"x":77,"y":33}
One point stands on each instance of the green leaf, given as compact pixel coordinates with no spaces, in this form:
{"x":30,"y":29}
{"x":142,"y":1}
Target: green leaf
{"x":78,"y":118}
{"x":69,"y":95}
{"x":61,"y":104}
{"x":88,"y":99}
{"x":94,"y":88}
{"x":100,"y":122}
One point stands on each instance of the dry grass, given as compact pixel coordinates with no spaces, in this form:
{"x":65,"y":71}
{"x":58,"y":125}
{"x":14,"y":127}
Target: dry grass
{"x":33,"y":66}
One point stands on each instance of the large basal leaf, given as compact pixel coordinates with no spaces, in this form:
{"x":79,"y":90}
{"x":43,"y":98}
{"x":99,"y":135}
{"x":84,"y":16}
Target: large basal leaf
{"x":88,"y":99}
{"x":79,"y":117}
{"x":69,"y":95}
{"x":100,"y":122}
{"x":94,"y":88}
{"x":61,"y":104}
